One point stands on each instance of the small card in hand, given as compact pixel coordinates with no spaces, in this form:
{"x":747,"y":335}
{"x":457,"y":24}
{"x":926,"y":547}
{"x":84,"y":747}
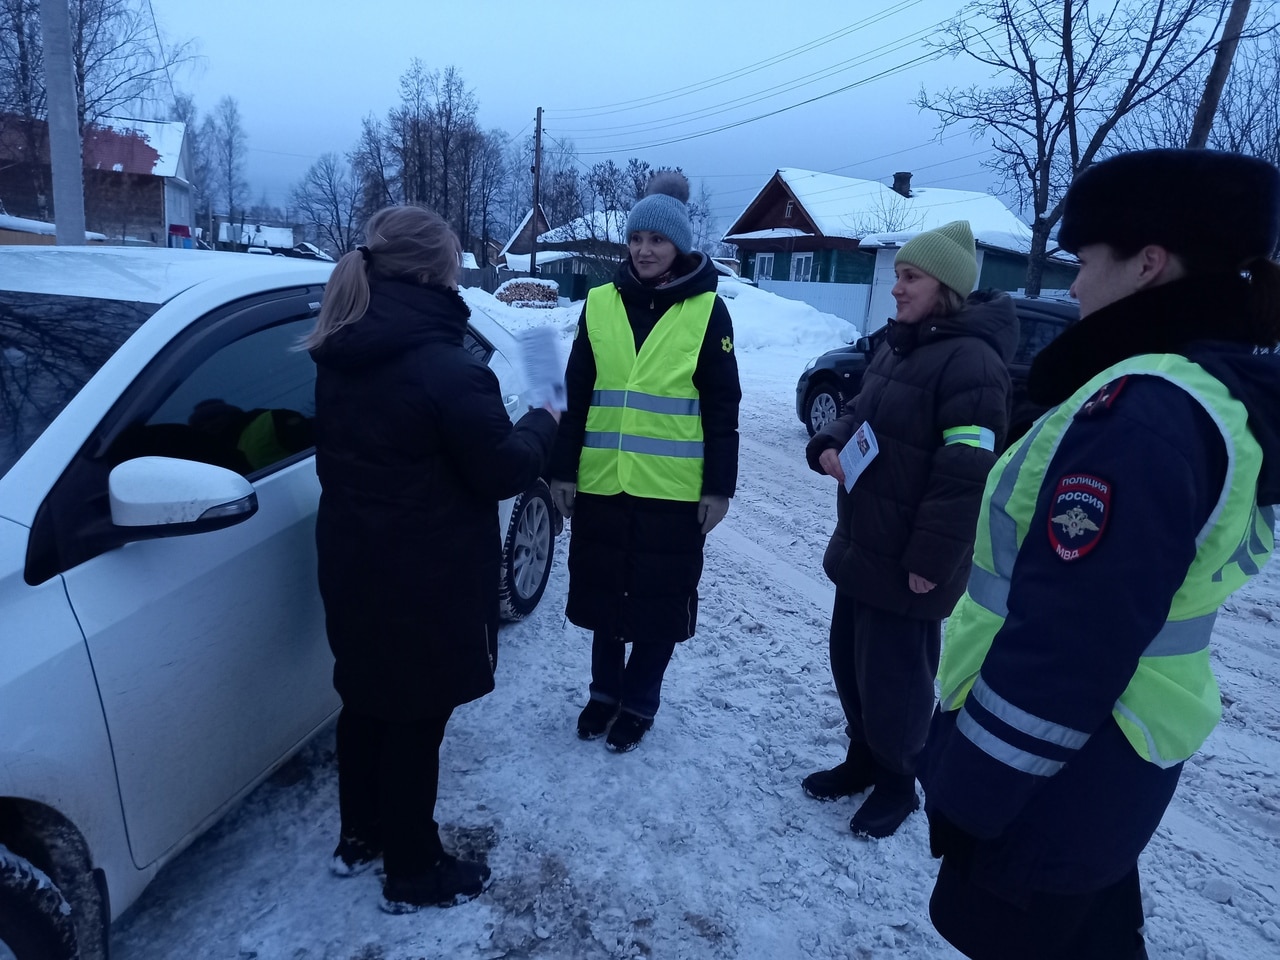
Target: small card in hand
{"x":857,"y":453}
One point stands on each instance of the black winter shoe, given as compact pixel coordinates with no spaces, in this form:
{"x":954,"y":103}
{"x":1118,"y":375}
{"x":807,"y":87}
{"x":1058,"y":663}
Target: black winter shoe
{"x":855,"y":774}
{"x":595,"y":718}
{"x":891,"y":802}
{"x":627,"y":732}
{"x":449,"y":882}
{"x":353,"y":857}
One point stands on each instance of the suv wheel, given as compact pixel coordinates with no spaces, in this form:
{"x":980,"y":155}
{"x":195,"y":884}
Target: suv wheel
{"x":823,"y":405}
{"x":35,"y":919}
{"x":527,"y":553}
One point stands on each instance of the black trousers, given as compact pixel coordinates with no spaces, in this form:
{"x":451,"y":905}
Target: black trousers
{"x":1105,"y":925}
{"x":388,"y":776}
{"x":884,"y":666}
{"x":635,"y":681}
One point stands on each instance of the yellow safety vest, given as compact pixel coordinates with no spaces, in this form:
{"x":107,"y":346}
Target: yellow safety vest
{"x":644,"y":427}
{"x":1172,"y":703}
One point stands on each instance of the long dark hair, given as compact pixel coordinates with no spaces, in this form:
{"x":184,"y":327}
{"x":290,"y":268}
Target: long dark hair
{"x":403,"y":242}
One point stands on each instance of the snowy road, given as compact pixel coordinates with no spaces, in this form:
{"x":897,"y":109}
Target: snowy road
{"x":700,"y":844}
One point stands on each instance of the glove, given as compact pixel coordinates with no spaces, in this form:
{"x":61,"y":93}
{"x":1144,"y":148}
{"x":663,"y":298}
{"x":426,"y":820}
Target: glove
{"x":945,"y":838}
{"x":711,"y":510}
{"x":562,"y":494}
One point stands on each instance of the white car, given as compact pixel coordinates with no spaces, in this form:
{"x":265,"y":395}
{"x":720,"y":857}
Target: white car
{"x":162,"y":644}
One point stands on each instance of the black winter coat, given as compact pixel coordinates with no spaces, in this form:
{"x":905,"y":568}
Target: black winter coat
{"x":635,"y":563}
{"x":414,"y":450}
{"x":915,"y":507}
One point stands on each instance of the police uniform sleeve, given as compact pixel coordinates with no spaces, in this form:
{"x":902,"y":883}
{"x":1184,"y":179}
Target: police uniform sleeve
{"x":719,"y":393}
{"x":579,"y":382}
{"x":1077,"y":625}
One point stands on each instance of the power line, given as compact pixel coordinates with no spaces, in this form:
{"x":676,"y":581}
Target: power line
{"x":741,"y":71}
{"x":155,"y":28}
{"x":771,"y":113}
{"x":758,"y":96}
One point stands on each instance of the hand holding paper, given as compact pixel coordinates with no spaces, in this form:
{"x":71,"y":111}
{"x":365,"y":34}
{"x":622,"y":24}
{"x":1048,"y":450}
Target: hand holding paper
{"x":542,"y":369}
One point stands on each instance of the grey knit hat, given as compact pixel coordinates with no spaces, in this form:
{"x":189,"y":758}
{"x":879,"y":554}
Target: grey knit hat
{"x":664,"y":210}
{"x":947,"y":254}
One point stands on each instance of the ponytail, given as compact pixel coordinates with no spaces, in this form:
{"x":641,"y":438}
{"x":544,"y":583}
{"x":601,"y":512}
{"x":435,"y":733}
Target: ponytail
{"x":346,"y":298}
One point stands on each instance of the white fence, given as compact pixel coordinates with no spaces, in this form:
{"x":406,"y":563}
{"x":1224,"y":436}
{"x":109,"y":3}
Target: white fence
{"x":846,"y":300}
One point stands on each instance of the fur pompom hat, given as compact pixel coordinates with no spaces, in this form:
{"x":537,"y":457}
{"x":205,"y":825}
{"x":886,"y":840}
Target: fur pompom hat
{"x":947,"y":254}
{"x":1221,"y":208}
{"x":664,"y":209}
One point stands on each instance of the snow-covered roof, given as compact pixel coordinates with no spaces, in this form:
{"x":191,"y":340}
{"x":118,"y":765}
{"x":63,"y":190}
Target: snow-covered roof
{"x":519,"y":262}
{"x":774,"y":233}
{"x":255,"y":235}
{"x":854,"y":209}
{"x":23,"y":225}
{"x":607,"y":225}
{"x":134,"y":146}
{"x":518,"y":230}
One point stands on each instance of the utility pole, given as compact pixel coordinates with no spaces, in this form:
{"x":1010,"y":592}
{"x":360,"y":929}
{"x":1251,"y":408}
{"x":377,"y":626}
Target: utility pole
{"x":537,"y":182}
{"x":1222,"y":58}
{"x":64,"y":123}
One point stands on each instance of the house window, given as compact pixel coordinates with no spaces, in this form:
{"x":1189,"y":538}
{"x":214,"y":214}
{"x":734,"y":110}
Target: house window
{"x":802,"y":267}
{"x":764,"y":266}
{"x":791,"y":205}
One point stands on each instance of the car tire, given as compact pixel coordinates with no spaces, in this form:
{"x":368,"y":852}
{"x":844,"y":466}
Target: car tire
{"x":823,"y":404}
{"x":35,"y":918}
{"x":527,"y":553}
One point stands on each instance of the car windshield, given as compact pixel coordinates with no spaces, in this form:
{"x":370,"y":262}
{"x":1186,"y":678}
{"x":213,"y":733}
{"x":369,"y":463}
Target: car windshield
{"x":50,"y":346}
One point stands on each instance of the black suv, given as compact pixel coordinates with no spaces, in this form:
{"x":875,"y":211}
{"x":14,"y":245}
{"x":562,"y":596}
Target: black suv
{"x":834,"y":378}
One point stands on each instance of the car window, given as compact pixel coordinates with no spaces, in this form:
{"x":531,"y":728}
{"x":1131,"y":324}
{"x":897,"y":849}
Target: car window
{"x":50,"y":347}
{"x":1035,"y":334}
{"x":475,"y":345}
{"x":247,"y":407}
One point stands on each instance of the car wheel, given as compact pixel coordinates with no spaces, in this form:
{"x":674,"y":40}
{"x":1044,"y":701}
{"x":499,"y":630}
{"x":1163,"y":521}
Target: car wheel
{"x":823,"y":405}
{"x":35,"y":919}
{"x":527,"y":553}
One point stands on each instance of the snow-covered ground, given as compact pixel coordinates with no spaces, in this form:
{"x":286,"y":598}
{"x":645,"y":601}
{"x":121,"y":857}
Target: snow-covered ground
{"x":701,"y":843}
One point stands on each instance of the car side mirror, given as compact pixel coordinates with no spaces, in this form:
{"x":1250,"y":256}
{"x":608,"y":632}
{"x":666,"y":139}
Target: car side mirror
{"x":164,"y":497}
{"x":865,"y":344}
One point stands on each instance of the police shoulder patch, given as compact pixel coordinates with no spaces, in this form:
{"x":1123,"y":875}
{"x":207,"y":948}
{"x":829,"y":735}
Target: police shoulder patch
{"x":1101,"y":401}
{"x":1078,"y":513}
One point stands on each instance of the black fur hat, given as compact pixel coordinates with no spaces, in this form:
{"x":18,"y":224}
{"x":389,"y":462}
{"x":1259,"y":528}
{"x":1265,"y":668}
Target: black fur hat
{"x":1220,"y":209}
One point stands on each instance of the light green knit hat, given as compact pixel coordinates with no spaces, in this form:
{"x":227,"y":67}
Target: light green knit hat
{"x":947,"y":254}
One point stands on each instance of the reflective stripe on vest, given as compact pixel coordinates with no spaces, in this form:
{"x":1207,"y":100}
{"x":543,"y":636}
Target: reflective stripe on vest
{"x":1172,"y":702}
{"x":644,"y":426}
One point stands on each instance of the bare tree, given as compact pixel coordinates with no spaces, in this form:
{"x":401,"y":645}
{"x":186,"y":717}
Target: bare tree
{"x":454,"y":116}
{"x":1070,"y":71}
{"x":490,"y":172}
{"x":372,"y":168}
{"x":328,"y":200}
{"x":22,"y":94}
{"x":229,"y":144}
{"x":1248,"y":112}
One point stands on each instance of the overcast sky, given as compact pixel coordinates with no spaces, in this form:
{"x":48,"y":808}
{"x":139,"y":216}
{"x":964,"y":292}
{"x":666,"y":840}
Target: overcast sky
{"x":615,"y":79}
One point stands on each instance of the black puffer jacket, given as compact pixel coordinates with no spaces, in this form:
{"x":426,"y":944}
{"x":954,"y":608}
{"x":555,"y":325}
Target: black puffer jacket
{"x":414,"y":450}
{"x":634,"y":563}
{"x":915,"y":507}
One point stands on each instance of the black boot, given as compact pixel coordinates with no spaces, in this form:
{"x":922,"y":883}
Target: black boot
{"x":448,"y":882}
{"x":855,"y":774}
{"x":595,"y":718}
{"x":627,"y":732}
{"x":354,"y":856}
{"x":891,"y":802}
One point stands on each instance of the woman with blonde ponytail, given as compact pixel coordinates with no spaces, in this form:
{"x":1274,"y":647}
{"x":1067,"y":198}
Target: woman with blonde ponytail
{"x":414,"y":450}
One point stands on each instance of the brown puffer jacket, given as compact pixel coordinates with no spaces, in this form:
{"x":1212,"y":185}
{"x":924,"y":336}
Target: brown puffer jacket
{"x":915,"y":507}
